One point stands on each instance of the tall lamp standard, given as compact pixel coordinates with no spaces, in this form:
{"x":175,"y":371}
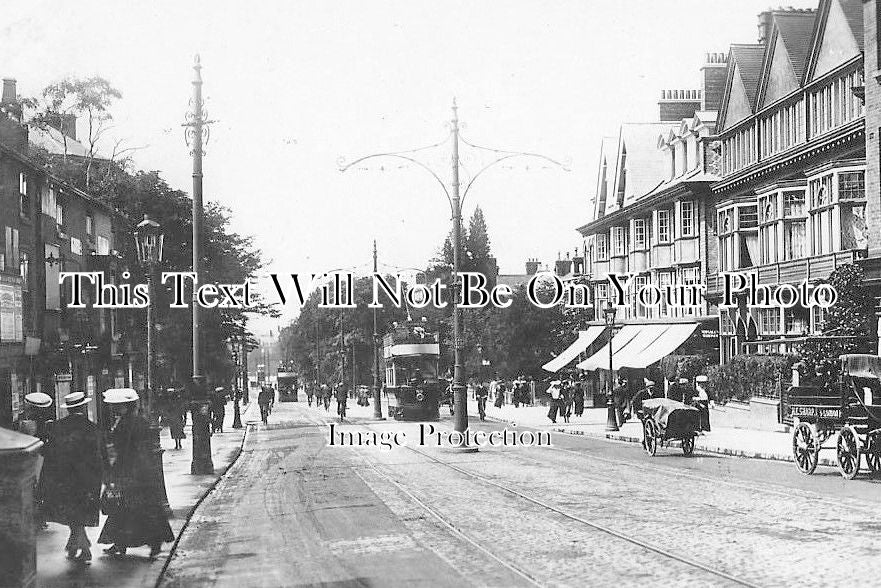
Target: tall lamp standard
{"x":611,"y":419}
{"x":149,"y":240}
{"x":233,"y":346}
{"x":196,"y":130}
{"x":377,"y":395}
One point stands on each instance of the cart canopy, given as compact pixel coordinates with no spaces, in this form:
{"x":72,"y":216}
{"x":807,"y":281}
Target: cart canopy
{"x":861,"y":365}
{"x":659,"y":409}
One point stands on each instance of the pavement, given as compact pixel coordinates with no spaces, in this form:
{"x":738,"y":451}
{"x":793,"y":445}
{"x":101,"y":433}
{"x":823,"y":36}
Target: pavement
{"x":737,"y":442}
{"x":185,"y":491}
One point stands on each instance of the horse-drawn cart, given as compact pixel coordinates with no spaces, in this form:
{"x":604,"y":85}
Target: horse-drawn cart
{"x":665,"y":420}
{"x":844,"y":410}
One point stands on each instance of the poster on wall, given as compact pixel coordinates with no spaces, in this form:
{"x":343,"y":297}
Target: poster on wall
{"x":10,"y":310}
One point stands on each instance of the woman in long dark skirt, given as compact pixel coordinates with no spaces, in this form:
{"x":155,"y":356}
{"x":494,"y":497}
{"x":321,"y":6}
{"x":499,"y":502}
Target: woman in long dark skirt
{"x":140,"y":518}
{"x":176,"y":414}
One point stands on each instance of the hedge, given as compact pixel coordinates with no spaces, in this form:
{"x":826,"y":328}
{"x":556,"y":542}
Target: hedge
{"x":749,"y":375}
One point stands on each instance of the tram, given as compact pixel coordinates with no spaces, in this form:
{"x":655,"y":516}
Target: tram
{"x":411,"y":355}
{"x":287,"y":382}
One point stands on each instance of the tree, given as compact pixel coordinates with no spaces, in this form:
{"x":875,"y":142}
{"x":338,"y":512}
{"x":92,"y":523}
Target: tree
{"x":853,"y":316}
{"x":89,"y":98}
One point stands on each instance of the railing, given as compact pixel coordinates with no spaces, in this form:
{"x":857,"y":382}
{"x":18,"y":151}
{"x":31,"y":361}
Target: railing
{"x":792,"y":271}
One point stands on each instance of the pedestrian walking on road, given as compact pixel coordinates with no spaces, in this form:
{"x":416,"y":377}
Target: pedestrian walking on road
{"x":500,"y":394}
{"x":554,"y":392}
{"x":342,"y":398}
{"x":138,"y":518}
{"x":326,"y":394}
{"x":701,"y":401}
{"x":310,"y":392}
{"x":72,"y":472}
{"x":264,"y":400}
{"x":481,"y":393}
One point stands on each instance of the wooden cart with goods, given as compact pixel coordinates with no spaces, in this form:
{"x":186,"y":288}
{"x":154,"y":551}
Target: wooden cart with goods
{"x":844,"y":411}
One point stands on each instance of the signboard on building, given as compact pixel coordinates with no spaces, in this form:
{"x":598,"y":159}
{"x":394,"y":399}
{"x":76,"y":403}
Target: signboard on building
{"x":10,"y":310}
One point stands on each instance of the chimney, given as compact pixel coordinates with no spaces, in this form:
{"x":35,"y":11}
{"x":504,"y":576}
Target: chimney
{"x":765,"y":19}
{"x":675,"y":105}
{"x":531,"y":267}
{"x":12,"y":133}
{"x":68,"y":125}
{"x":9,"y":101}
{"x":714,"y":73}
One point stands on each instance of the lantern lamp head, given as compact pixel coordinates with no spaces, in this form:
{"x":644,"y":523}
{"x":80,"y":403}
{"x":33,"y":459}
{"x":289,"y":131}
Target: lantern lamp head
{"x":149,"y":240}
{"x":609,"y":312}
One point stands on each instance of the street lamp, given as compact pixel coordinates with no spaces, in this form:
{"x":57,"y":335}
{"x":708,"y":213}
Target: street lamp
{"x":149,"y":240}
{"x":455,"y":195}
{"x":611,"y":419}
{"x":232,"y":345}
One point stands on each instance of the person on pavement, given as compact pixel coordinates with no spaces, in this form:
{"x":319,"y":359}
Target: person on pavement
{"x":72,"y":473}
{"x":500,"y":393}
{"x":565,"y":400}
{"x":554,"y":392}
{"x":36,"y":419}
{"x":481,"y":393}
{"x":264,"y":399}
{"x":310,"y":392}
{"x":139,"y":518}
{"x":175,"y":413}
{"x":702,"y":402}
{"x":578,"y":395}
{"x":218,"y":409}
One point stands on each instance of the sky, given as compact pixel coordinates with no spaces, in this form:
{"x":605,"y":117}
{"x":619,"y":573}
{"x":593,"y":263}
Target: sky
{"x":297,"y":88}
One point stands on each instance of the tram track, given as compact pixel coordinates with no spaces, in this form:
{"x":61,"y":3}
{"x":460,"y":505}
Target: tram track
{"x":548,"y":507}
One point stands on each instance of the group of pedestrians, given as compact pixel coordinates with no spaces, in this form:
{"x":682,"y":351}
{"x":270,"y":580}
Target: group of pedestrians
{"x":566,"y":397}
{"x":87,"y":470}
{"x":520,"y":387}
{"x":324,"y":394}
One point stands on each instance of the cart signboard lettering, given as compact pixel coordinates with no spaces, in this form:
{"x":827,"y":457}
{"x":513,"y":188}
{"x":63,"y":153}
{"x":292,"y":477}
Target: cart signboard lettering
{"x":825,"y":412}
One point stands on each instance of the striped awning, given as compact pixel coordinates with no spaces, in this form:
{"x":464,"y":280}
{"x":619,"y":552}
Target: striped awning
{"x":639,"y":346}
{"x":568,"y":355}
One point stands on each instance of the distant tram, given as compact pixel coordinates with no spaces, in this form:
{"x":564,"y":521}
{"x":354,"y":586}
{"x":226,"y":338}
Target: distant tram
{"x":287,"y":382}
{"x":411,"y":356}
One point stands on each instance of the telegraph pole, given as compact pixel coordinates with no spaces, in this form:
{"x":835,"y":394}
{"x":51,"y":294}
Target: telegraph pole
{"x":377,"y":396}
{"x":196,"y":130}
{"x":460,"y":402}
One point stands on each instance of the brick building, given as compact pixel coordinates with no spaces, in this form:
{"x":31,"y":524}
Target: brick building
{"x":49,"y":226}
{"x":791,"y":203}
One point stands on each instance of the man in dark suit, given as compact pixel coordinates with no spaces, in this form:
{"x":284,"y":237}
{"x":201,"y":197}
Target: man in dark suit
{"x":72,"y":474}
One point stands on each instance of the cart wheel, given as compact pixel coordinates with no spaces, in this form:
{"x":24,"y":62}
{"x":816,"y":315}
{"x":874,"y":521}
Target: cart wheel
{"x":873,"y":453}
{"x":688,"y":445}
{"x":805,"y":448}
{"x":847,"y":450}
{"x":650,"y":439}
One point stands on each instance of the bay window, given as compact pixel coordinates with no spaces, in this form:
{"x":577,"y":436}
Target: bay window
{"x":602,"y":247}
{"x":664,"y":233}
{"x":639,"y":234}
{"x":688,"y":215}
{"x":619,"y":242}
{"x":837,"y":211}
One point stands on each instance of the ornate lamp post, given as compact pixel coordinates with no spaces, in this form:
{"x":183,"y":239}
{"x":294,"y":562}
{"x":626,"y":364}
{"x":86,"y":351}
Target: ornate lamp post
{"x":377,"y":395}
{"x":232,"y":344}
{"x":611,"y":419}
{"x":149,"y":240}
{"x":196,"y":131}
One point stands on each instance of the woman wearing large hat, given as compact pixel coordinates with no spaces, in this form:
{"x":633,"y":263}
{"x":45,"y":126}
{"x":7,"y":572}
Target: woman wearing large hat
{"x":140,"y":517}
{"x":71,"y":482}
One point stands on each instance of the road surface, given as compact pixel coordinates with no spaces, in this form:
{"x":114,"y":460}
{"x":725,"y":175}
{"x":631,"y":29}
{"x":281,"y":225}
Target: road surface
{"x":294,"y":512}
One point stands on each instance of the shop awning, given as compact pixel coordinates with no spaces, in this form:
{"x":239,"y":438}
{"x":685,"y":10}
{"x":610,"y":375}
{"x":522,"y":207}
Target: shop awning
{"x":600,"y":359}
{"x":585,"y":338}
{"x":639,"y":346}
{"x":654,"y":343}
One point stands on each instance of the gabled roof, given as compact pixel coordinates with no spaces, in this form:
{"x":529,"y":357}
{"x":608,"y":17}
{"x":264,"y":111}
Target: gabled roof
{"x":51,"y":139}
{"x":645,"y":165}
{"x":852,"y":11}
{"x":795,"y":30}
{"x":744,"y":69}
{"x":608,"y":152}
{"x":748,"y":59}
